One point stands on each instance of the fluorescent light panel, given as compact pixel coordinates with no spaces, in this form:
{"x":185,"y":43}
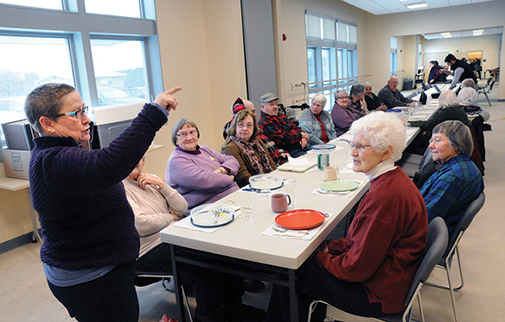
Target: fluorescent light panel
{"x":446,"y":34}
{"x":417,"y":6}
{"x":478,"y":32}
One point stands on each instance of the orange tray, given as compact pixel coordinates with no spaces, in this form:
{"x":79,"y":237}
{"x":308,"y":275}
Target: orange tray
{"x":300,"y":219}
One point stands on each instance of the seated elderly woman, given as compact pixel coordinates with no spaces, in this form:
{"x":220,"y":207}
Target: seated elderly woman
{"x":317,"y":122}
{"x":373,"y":102}
{"x":467,"y":98}
{"x":244,"y":144}
{"x":155,"y":206}
{"x":200,"y":174}
{"x":386,"y":240}
{"x":449,"y":110}
{"x":343,"y":114}
{"x":458,"y":182}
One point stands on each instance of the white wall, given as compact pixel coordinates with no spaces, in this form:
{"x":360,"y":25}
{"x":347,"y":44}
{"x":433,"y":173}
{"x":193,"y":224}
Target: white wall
{"x":380,"y":28}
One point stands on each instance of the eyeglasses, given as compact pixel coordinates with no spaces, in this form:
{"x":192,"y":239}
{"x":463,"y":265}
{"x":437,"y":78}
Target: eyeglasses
{"x":78,"y":114}
{"x":360,"y":147}
{"x":343,"y":97}
{"x":242,"y":125}
{"x":185,"y":134}
{"x":437,"y":140}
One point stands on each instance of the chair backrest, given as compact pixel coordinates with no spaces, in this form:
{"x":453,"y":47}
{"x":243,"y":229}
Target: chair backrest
{"x":426,"y":168}
{"x":436,"y":243}
{"x":465,"y":221}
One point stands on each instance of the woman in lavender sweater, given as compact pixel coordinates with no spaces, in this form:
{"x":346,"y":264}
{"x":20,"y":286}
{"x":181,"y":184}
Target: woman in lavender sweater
{"x":200,"y":174}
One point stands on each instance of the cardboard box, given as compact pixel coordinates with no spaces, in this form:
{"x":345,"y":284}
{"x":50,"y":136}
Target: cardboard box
{"x":16,"y":163}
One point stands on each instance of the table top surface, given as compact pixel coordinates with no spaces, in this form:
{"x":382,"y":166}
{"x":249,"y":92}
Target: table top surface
{"x":243,"y":237}
{"x":13,"y":184}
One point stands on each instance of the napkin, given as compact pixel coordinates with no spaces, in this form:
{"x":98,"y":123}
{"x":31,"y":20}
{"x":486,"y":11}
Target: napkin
{"x":298,"y":161}
{"x":347,"y":169}
{"x":277,"y":231}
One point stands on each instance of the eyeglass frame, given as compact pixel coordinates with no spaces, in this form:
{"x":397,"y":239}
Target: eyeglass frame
{"x":78,"y":114}
{"x":437,"y":140}
{"x":360,"y":147}
{"x":190,"y":133}
{"x":342,"y":98}
{"x":248,"y":125}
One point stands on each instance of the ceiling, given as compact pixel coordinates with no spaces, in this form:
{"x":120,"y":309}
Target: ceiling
{"x":382,"y":7}
{"x":464,"y":33}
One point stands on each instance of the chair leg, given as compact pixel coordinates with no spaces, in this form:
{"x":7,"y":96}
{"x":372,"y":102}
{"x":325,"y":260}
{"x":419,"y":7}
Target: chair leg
{"x":488,"y":101}
{"x":460,"y":272}
{"x":312,"y":307}
{"x":452,"y":296}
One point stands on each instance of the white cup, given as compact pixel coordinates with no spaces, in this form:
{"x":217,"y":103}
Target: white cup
{"x":330,"y":173}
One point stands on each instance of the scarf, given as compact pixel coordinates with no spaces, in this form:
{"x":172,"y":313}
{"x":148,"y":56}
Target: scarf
{"x":261,"y":165}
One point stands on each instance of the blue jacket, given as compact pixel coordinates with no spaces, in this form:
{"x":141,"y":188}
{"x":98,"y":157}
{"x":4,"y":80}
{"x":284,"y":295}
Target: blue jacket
{"x":309,"y":124}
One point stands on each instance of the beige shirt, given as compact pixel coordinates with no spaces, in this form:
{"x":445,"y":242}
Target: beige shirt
{"x":153,"y":209}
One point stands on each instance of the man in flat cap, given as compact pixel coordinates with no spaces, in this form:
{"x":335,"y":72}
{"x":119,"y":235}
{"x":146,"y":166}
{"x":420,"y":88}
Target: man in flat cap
{"x":277,"y":128}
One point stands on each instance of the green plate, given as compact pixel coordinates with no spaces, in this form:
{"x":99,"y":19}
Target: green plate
{"x":339,"y":185}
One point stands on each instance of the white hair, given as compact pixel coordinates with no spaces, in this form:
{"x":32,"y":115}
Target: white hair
{"x":382,"y":130}
{"x":467,"y":96}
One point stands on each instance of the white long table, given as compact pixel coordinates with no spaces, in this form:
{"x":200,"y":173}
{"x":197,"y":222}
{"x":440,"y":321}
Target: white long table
{"x":242,"y":243}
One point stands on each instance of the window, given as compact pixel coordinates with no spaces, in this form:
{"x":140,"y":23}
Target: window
{"x":331,"y":55}
{"x":126,"y":66}
{"x":393,"y":57}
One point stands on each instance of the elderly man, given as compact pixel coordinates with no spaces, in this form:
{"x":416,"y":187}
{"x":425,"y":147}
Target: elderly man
{"x":391,"y":96}
{"x":277,"y":128}
{"x":459,"y":70}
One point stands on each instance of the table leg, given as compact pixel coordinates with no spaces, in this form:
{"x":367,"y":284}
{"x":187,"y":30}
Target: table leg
{"x":293,"y":298}
{"x":178,"y":287}
{"x":36,"y":235}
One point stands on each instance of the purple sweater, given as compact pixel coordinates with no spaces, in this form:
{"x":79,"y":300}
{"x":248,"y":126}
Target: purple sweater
{"x":343,"y":117}
{"x":85,"y":217}
{"x":192,"y":175}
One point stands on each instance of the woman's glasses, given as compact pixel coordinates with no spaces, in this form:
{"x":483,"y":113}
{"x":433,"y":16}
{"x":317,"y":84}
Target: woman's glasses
{"x":78,"y":114}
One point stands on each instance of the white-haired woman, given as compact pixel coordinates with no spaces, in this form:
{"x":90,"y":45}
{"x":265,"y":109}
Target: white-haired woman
{"x":385,"y":242}
{"x":467,"y":98}
{"x":449,"y":110}
{"x":317,"y":122}
{"x":373,"y":102}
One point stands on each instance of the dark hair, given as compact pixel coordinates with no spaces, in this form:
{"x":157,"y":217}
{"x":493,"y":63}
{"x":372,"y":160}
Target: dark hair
{"x":459,"y":135}
{"x":179,"y":124}
{"x":434,"y":62}
{"x":357,"y":89}
{"x":232,"y":130}
{"x":45,"y":100}
{"x":449,"y":58}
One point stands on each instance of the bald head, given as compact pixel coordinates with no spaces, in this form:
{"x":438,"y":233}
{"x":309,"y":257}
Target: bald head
{"x":249,"y":106}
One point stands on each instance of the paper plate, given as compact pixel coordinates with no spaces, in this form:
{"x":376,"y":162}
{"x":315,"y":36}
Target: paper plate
{"x":339,"y":185}
{"x":300,"y":219}
{"x":265,"y":181}
{"x":212,"y":215}
{"x":327,"y":146}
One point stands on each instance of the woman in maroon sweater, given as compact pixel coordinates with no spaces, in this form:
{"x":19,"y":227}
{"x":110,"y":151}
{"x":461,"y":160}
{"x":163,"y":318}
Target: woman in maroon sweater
{"x":368,"y":272}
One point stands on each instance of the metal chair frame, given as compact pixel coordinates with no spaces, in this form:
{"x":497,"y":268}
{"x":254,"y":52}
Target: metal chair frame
{"x":166,"y":278}
{"x":446,"y":262}
{"x":486,"y":89}
{"x":438,"y":238}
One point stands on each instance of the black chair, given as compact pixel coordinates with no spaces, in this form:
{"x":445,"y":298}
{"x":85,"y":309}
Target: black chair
{"x":452,"y":248}
{"x":147,"y":278}
{"x":436,"y":245}
{"x":486,"y":90}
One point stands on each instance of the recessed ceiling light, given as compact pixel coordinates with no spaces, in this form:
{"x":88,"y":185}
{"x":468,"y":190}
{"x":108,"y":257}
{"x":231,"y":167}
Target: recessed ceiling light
{"x":478,"y":32}
{"x":446,"y":34}
{"x":417,"y":6}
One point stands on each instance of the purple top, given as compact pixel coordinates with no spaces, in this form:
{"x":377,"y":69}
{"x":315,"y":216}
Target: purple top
{"x":343,"y":117}
{"x":192,"y":174}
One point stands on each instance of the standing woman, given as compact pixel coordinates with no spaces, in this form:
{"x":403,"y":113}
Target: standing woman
{"x":317,"y":122}
{"x":244,"y":144}
{"x":90,"y":241}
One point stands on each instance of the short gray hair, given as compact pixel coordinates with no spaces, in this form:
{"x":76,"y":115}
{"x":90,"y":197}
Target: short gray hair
{"x":467,"y":96}
{"x":367,"y":84}
{"x":459,"y":135}
{"x":357,"y":89}
{"x":468,"y":83}
{"x":447,"y":98}
{"x":179,"y":124}
{"x":320,"y":98}
{"x":45,"y":100}
{"x":382,"y":130}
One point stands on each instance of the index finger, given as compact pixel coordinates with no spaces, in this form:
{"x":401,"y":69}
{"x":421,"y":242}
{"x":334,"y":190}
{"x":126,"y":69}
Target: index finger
{"x":173,"y":90}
